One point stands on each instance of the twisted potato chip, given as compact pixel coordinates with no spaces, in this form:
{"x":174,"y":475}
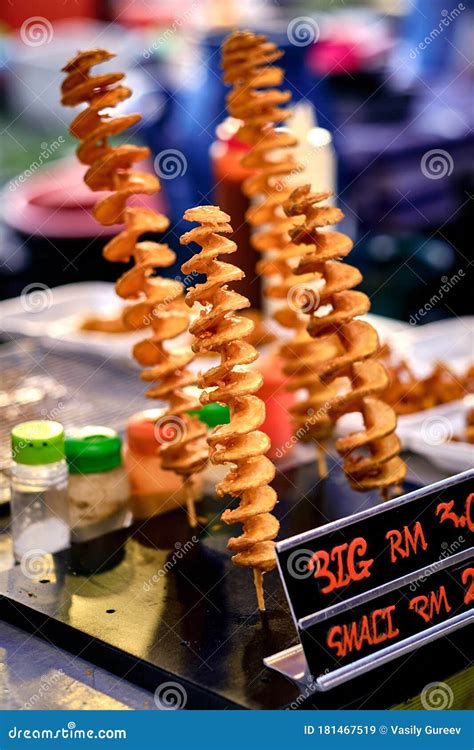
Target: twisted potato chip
{"x":371,"y":457}
{"x":408,"y":393}
{"x":219,"y":329}
{"x":157,"y":302}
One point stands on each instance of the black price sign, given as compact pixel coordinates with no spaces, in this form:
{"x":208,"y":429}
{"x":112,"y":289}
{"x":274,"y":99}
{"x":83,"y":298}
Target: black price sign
{"x":345,"y":558}
{"x":400,"y":613}
{"x":392,"y":575}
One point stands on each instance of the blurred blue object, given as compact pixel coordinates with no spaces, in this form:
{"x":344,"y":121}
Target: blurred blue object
{"x":183,"y":122}
{"x":428,"y":31}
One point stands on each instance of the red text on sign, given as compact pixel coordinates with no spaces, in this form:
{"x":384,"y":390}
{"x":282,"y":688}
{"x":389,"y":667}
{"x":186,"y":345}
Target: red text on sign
{"x":468,"y":577}
{"x":371,"y":629}
{"x":404,"y":543}
{"x":427,"y":606}
{"x":341,"y":565}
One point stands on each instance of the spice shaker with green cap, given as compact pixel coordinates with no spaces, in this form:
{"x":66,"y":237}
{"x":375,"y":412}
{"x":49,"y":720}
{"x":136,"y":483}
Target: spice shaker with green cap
{"x":40,"y":518}
{"x":98,"y":485}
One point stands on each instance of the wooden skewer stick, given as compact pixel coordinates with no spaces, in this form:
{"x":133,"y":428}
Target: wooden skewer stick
{"x":189,"y":494}
{"x":321,"y":461}
{"x":386,"y":493}
{"x":258,"y":582}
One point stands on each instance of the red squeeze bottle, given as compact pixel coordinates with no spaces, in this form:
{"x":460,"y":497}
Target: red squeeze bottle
{"x":278,"y":402}
{"x":226,"y":153}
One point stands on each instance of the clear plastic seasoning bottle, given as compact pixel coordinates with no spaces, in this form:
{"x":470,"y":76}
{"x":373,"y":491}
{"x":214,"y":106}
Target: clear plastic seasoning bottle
{"x":39,"y":477}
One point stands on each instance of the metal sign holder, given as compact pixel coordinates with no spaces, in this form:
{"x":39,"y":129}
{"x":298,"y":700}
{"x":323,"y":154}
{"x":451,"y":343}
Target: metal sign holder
{"x":292,"y":661}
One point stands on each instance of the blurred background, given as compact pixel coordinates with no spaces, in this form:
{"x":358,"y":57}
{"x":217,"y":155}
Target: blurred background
{"x":383,"y":109}
{"x":382,"y":93}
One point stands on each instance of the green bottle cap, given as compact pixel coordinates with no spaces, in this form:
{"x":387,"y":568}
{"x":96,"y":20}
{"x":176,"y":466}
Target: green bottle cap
{"x":38,"y":442}
{"x":93,"y":449}
{"x":213,"y":414}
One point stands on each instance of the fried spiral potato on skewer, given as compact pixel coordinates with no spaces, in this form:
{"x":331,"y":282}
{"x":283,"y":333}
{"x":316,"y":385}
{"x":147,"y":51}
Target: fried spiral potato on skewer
{"x":157,"y":303}
{"x":219,"y":329}
{"x":371,"y":456}
{"x":248,"y":64}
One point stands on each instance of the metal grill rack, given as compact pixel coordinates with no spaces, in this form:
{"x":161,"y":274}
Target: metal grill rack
{"x":38,"y":383}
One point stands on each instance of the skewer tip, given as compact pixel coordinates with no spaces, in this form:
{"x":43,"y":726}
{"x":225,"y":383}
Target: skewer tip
{"x":189,"y":494}
{"x":321,"y":461}
{"x":258,"y":582}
